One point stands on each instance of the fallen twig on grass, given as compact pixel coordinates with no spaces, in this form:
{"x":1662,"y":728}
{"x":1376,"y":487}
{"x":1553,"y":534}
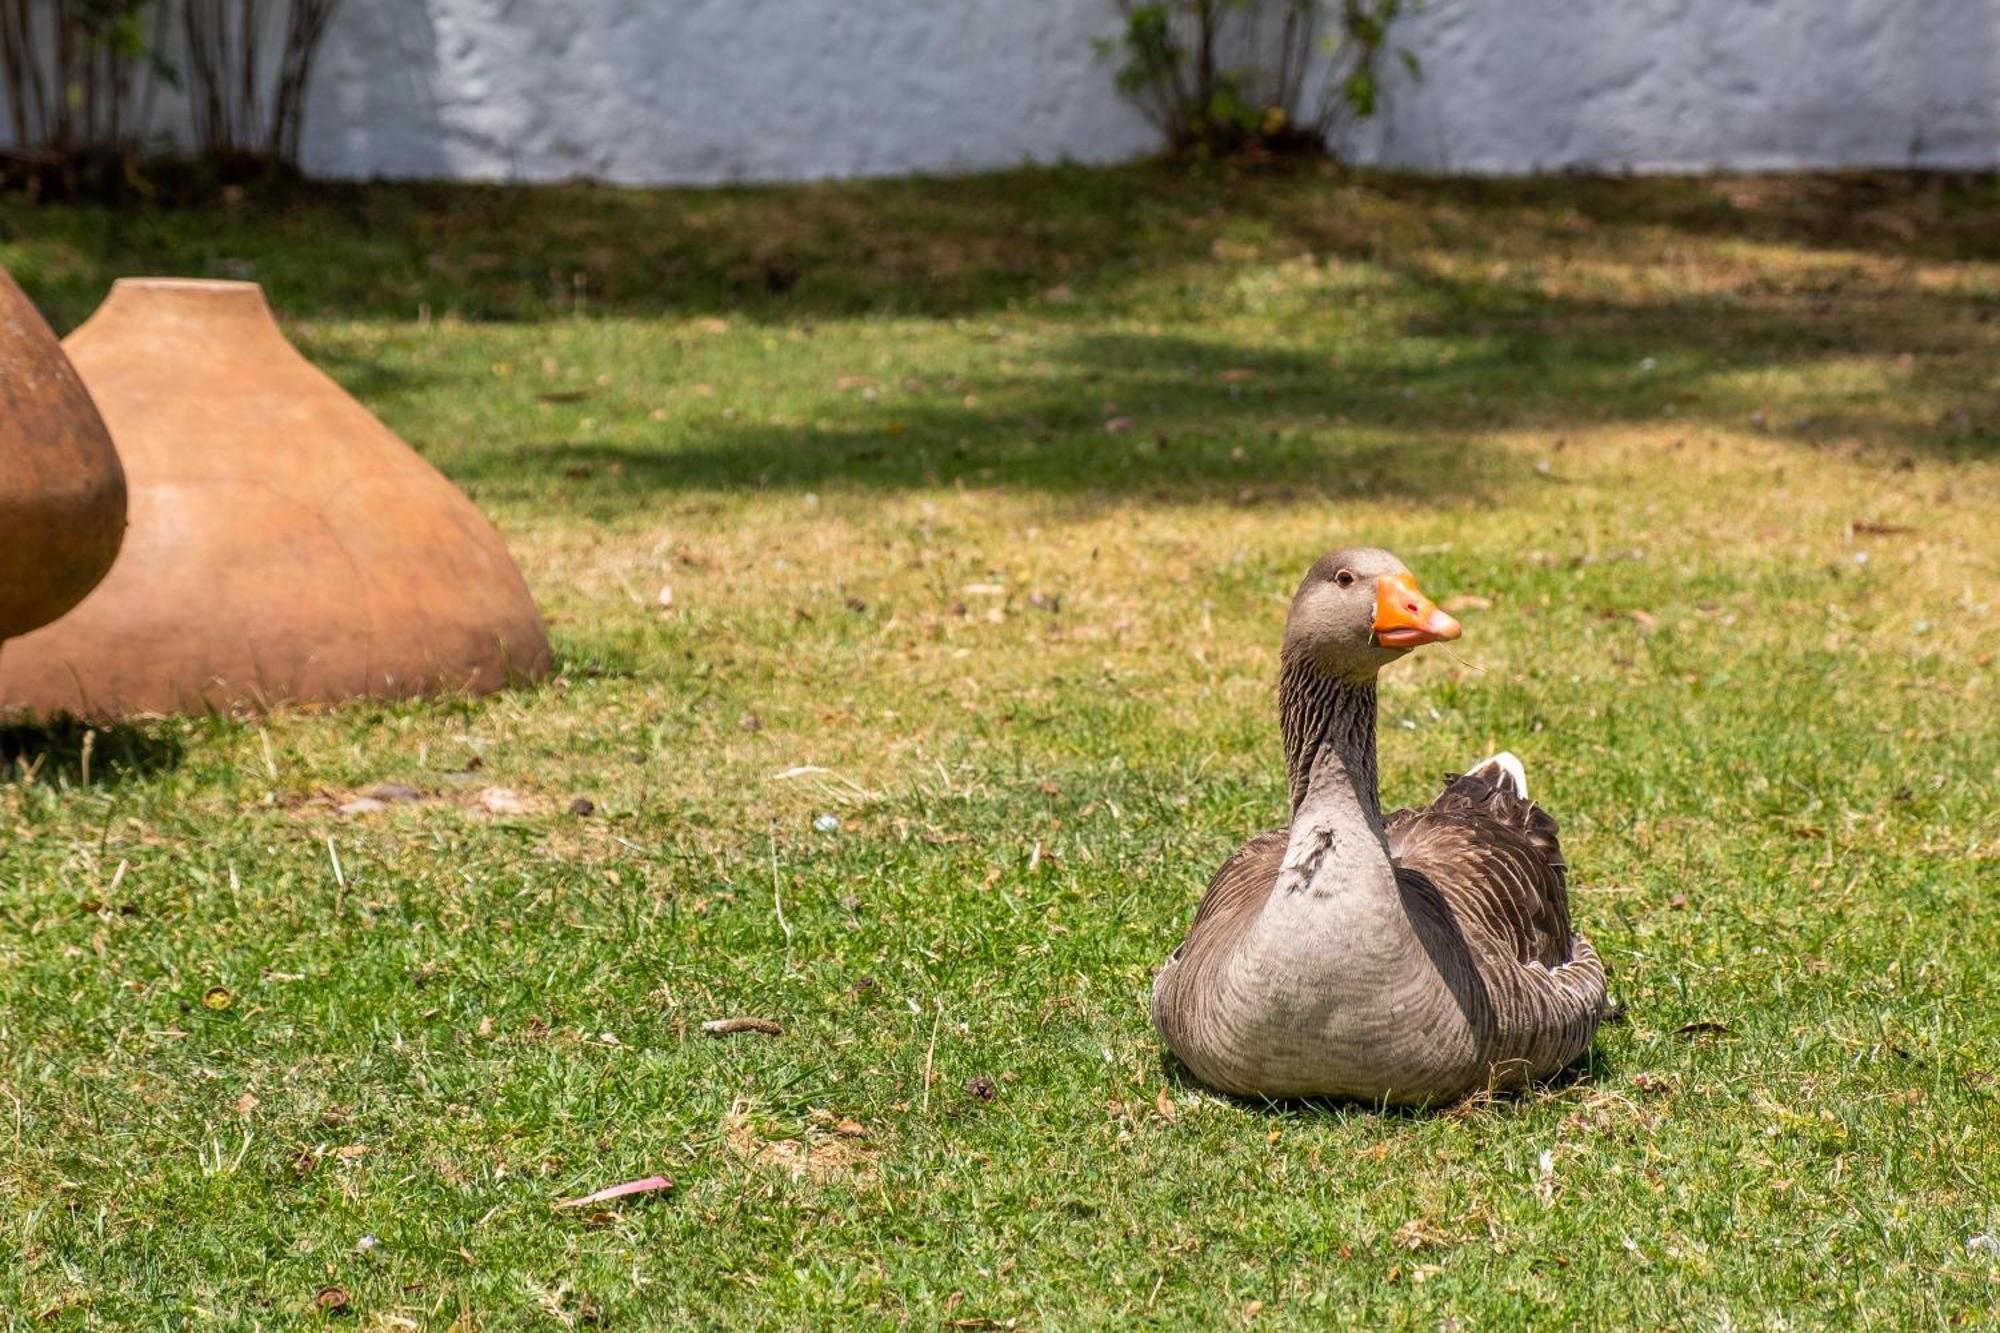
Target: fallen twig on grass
{"x":729,"y":1027}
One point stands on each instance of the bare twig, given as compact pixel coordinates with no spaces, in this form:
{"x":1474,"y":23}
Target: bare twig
{"x":778,"y":899}
{"x":930,"y":1058}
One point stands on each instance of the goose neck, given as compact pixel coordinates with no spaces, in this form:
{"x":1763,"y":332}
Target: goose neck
{"x":1329,"y":733}
{"x":1335,"y":907}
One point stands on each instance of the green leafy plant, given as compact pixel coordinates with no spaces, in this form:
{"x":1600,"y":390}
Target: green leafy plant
{"x":1223,"y":76}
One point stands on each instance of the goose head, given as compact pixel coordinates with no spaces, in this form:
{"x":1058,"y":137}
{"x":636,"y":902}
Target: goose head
{"x":1358,"y":610}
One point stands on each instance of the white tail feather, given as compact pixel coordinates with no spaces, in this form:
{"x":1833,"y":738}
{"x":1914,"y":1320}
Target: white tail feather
{"x":1510,"y":772}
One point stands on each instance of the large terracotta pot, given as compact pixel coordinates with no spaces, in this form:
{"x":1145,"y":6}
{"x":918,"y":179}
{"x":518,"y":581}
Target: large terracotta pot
{"x":62,"y":493}
{"x":285,"y":546}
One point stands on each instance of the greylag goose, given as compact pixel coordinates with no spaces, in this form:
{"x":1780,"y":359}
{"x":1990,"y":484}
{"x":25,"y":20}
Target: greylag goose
{"x":1402,"y":961}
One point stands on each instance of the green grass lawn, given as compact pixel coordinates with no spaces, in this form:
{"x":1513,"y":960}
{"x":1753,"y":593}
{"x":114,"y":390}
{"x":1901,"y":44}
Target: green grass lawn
{"x":980,"y":502}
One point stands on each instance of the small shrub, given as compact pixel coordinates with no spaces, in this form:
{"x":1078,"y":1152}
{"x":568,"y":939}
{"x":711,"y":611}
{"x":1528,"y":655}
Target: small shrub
{"x":1223,"y":76}
{"x":246,"y":120}
{"x":80,"y":77}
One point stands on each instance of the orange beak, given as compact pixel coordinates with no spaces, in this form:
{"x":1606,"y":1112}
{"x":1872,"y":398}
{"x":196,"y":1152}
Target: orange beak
{"x":1404,"y":617}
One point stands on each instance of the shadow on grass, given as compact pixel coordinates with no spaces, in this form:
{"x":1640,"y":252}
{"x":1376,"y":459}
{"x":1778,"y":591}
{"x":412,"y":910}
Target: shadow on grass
{"x":1470,"y":338}
{"x":1936,"y":215}
{"x":1170,"y":417}
{"x":85,"y":755}
{"x":369,"y":379}
{"x":1593,"y":1067}
{"x":1179,"y":432}
{"x":927,"y":245}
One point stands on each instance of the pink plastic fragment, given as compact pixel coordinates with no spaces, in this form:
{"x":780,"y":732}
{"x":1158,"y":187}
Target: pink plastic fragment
{"x":630,"y":1187}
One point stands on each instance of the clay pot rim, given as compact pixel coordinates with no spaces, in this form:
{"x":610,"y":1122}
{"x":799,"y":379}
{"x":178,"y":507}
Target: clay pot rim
{"x":145,"y":298}
{"x":232,"y":285}
{"x":241,"y":298}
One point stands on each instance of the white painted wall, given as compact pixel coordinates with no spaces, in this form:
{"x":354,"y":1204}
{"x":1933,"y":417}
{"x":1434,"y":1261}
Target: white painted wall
{"x":713,"y":90}
{"x":1691,"y":85}
{"x":663,"y":91}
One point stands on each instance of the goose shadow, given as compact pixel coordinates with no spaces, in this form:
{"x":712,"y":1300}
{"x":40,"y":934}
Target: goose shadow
{"x":1594,"y":1067}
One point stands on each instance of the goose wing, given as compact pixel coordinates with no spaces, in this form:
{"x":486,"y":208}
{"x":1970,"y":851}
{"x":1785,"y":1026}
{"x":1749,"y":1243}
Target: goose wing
{"x":1496,"y":860}
{"x":1237,"y":892}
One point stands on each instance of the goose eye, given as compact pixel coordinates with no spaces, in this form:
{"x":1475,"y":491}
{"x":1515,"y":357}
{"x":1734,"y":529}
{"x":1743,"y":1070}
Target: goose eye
{"x":1345,"y":578}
